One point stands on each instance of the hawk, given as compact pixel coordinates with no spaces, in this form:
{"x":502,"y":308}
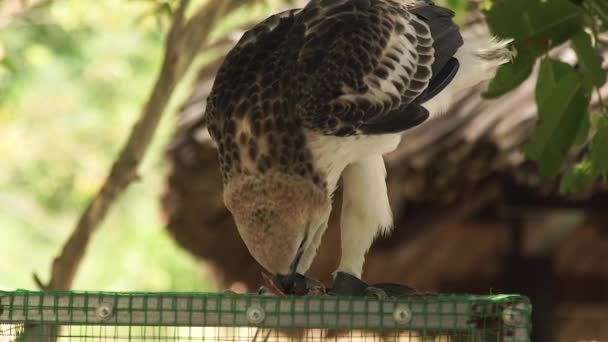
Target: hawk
{"x":313,"y":95}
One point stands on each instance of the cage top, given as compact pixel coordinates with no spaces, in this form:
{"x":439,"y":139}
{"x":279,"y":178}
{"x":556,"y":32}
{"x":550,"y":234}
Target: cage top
{"x":437,"y":297}
{"x":505,"y":315}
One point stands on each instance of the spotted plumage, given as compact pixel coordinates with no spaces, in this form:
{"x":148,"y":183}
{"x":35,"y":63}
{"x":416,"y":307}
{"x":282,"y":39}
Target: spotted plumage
{"x":314,"y":92}
{"x":336,"y":66}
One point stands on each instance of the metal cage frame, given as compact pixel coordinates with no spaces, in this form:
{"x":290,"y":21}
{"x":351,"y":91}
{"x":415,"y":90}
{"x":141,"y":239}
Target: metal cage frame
{"x":483,"y":318}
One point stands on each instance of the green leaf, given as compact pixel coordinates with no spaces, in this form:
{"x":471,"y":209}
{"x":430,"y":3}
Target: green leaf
{"x":583,"y":131}
{"x":562,"y":109}
{"x":459,"y":7}
{"x":165,"y":9}
{"x":600,"y":9}
{"x":593,"y":165}
{"x":8,"y":63}
{"x":551,"y":71}
{"x":485,"y":5}
{"x":512,"y":75}
{"x":589,"y":61}
{"x":535,"y":21}
{"x":599,"y":147}
{"x":577,"y":178}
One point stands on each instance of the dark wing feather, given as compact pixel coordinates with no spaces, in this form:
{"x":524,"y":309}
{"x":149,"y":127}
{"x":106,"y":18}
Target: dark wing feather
{"x":401,"y":119}
{"x":250,"y":73}
{"x":446,"y":37}
{"x":248,"y":101}
{"x":363,"y":64}
{"x":446,"y":41}
{"x":440,"y":81}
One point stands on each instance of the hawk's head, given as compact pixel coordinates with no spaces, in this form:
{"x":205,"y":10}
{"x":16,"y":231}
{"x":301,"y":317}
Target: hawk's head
{"x":277,"y":216}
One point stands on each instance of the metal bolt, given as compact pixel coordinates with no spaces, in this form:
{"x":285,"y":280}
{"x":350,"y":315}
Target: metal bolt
{"x":255,"y":314}
{"x":104,"y":311}
{"x":512,"y":317}
{"x":402,"y":314}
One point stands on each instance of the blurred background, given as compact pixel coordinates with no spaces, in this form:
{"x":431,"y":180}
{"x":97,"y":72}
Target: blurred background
{"x":73,"y":77}
{"x":472,"y":215}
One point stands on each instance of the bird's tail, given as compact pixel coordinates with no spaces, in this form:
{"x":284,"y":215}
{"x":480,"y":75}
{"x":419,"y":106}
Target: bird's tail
{"x":479,"y":58}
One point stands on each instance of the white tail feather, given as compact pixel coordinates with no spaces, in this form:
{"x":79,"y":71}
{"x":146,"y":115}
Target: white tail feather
{"x":479,"y":58}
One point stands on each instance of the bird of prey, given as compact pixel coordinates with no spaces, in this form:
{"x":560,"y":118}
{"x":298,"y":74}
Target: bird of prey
{"x":313,"y":95}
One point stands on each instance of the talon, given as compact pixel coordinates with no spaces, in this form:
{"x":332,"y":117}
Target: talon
{"x":298,"y":284}
{"x":291,"y":284}
{"x":348,"y":285}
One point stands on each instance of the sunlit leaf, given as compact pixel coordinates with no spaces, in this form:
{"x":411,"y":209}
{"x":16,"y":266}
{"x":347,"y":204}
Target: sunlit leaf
{"x":577,"y":178}
{"x":593,"y":165}
{"x":8,"y":63}
{"x":165,"y":9}
{"x":485,"y":5}
{"x":459,"y":7}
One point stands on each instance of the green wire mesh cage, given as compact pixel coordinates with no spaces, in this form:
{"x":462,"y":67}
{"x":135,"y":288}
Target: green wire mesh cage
{"x":76,"y":316}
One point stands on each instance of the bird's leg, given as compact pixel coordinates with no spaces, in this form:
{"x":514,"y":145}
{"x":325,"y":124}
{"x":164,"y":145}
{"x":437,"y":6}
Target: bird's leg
{"x":294,"y":283}
{"x":365,"y":213}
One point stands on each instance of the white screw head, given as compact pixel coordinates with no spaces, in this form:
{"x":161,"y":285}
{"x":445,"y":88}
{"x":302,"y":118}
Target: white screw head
{"x":402,"y":314}
{"x":104,"y":311}
{"x":255,"y":314}
{"x":511,"y":317}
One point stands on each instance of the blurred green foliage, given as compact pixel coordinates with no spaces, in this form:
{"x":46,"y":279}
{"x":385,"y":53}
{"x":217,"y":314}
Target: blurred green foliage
{"x":563,"y":91}
{"x":73,"y":78}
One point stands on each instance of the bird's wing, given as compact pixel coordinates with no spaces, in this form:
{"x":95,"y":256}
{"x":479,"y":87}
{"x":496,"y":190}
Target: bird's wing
{"x":367,"y":66}
{"x":249,"y":74}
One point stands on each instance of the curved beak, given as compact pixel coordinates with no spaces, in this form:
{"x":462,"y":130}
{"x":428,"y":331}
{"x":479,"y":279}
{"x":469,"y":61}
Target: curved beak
{"x":293,"y":267}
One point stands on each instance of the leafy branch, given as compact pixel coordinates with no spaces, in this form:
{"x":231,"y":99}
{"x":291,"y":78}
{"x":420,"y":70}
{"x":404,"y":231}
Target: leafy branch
{"x":563,"y":91}
{"x":185,"y":39}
